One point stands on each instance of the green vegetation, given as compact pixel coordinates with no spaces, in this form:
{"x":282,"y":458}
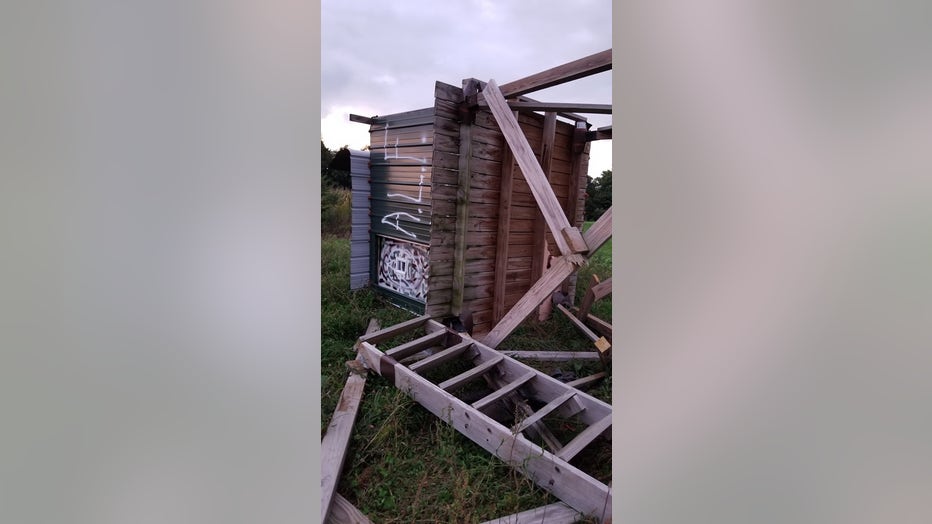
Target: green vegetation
{"x":599,"y":191}
{"x":405,"y":465}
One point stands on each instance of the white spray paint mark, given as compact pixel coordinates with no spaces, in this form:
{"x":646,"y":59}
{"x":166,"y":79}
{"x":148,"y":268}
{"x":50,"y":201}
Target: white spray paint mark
{"x":397,"y":224}
{"x":396,"y":155}
{"x":420,"y":192}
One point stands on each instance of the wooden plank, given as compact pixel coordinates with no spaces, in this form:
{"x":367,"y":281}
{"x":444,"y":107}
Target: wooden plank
{"x":557,"y":513}
{"x":599,"y":325}
{"x":361,"y":119}
{"x":541,"y":254}
{"x":578,"y":323}
{"x":397,"y":329}
{"x":524,"y":155}
{"x":547,"y":409}
{"x":602,"y":109}
{"x":540,"y":291}
{"x":462,"y":207}
{"x":602,"y":133}
{"x":562,"y":267}
{"x":343,"y":511}
{"x":585,"y":382}
{"x":552,"y":356}
{"x":504,"y":390}
{"x":334,"y":444}
{"x":584,"y":438}
{"x":462,"y":379}
{"x":596,"y":291}
{"x":586,"y":66}
{"x":439,"y":358}
{"x":409,"y":348}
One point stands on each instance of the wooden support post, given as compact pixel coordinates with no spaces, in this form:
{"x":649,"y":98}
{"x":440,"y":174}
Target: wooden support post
{"x":601,"y":344}
{"x":470,"y":87}
{"x":537,"y":181}
{"x":541,"y":253}
{"x":594,"y":237}
{"x":334,"y":443}
{"x":504,"y":232}
{"x":585,"y":382}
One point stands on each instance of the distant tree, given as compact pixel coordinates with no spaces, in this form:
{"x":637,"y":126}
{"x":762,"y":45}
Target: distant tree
{"x":598,"y":195}
{"x":330,"y":175}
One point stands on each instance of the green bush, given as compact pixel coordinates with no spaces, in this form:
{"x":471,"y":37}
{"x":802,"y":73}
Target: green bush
{"x":336,"y":211}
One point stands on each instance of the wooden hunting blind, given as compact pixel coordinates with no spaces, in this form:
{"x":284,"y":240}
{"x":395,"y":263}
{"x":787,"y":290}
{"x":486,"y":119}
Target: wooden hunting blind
{"x":462,"y":208}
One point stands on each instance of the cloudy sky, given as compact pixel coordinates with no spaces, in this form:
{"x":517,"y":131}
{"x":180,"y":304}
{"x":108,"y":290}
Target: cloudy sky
{"x":379,"y":58}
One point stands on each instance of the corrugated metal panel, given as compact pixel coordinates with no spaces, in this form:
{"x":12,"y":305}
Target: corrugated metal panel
{"x":359,"y":239}
{"x":400,"y":183}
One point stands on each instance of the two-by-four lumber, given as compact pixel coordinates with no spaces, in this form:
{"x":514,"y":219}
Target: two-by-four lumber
{"x":503,"y":239}
{"x":599,"y":325}
{"x":470,"y":86}
{"x":549,"y":206}
{"x":541,"y":253}
{"x":597,"y":291}
{"x":464,"y":378}
{"x":334,"y":443}
{"x":584,"y":438}
{"x":439,"y":358}
{"x":595,"y":237}
{"x":409,"y":348}
{"x":602,"y":109}
{"x":343,"y":511}
{"x":500,"y":393}
{"x":602,"y":133}
{"x":549,"y":408}
{"x":585,"y":382}
{"x":397,"y":329}
{"x":557,"y":513}
{"x":582,"y":327}
{"x":552,"y":356}
{"x":586,"y":66}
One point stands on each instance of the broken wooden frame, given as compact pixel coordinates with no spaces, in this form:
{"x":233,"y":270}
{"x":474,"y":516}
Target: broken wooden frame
{"x":333,"y":445}
{"x":507,"y":378}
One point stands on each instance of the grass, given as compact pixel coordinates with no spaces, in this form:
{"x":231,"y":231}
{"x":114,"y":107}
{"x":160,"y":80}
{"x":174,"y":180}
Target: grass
{"x":405,"y":465}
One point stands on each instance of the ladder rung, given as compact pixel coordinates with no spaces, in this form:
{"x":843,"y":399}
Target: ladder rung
{"x":504,"y":390}
{"x":463,"y":378}
{"x":391,"y":331}
{"x":409,"y":348}
{"x":584,"y":438}
{"x":441,"y":357}
{"x":546,"y":410}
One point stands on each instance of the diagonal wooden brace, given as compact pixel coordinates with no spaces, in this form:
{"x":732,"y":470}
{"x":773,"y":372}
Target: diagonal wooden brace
{"x":562,"y":267}
{"x":568,"y":238}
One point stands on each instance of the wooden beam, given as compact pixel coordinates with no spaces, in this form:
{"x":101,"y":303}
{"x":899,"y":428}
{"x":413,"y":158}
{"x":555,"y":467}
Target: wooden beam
{"x":599,"y":325}
{"x":597,"y":291}
{"x":541,"y":253}
{"x":571,"y":116}
{"x":397,"y":329}
{"x":597,"y":235}
{"x":464,"y":378}
{"x":552,"y":356}
{"x":585,"y":438}
{"x":335,"y":441}
{"x":533,"y":174}
{"x":549,"y":408}
{"x":361,"y":119}
{"x":504,"y":390}
{"x":343,"y":511}
{"x":567,"y":72}
{"x":585,"y":382}
{"x":602,"y":133}
{"x":470,"y":86}
{"x":557,"y":513}
{"x":601,"y":109}
{"x":504,"y":233}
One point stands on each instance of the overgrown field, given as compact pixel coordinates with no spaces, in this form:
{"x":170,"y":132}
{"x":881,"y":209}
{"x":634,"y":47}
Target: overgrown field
{"x":406,"y":466}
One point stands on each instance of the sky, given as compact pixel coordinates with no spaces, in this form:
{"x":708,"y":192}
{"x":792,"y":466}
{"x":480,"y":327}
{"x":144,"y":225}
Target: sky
{"x":379,"y":58}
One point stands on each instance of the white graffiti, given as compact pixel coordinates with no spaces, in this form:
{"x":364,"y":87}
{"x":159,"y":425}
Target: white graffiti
{"x":404,"y":268}
{"x":397,"y":224}
{"x":389,"y":156}
{"x":420,"y":193}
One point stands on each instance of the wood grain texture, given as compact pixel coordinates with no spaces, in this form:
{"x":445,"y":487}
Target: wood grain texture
{"x":334,"y":444}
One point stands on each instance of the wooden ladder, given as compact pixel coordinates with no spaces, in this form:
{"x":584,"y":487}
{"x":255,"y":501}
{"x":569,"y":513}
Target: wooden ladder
{"x":514,"y":387}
